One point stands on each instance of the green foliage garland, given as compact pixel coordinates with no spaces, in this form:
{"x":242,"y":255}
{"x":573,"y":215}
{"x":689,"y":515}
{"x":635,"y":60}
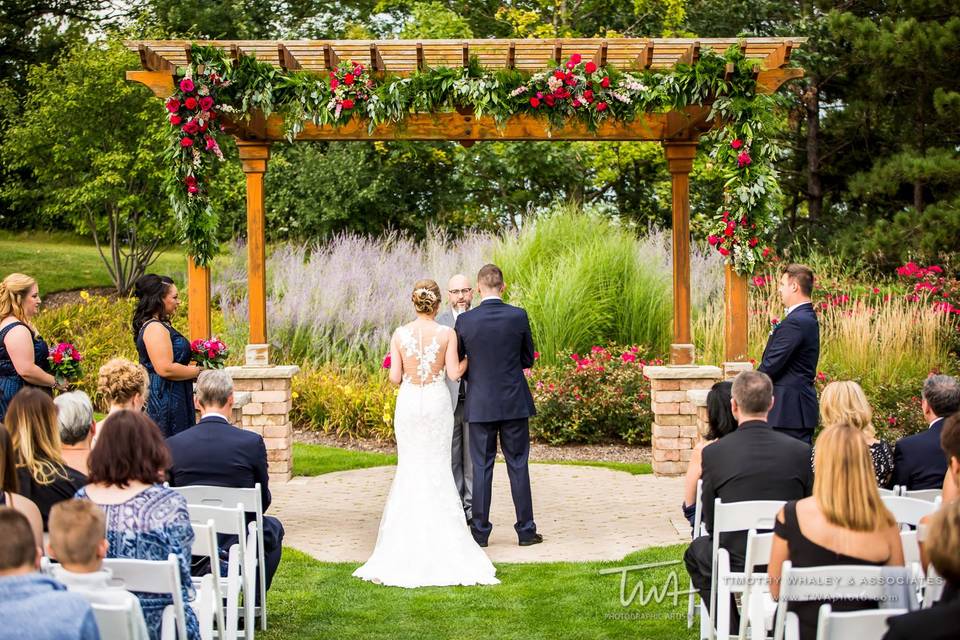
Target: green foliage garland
{"x":578,"y":90}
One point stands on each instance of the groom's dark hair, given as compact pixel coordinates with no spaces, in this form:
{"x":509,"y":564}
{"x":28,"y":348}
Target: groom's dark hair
{"x":490,"y":276}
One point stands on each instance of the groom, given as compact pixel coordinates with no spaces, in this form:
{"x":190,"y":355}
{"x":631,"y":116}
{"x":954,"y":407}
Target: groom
{"x":496,"y":339}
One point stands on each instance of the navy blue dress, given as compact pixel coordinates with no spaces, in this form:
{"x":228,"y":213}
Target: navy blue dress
{"x":10,"y":380}
{"x":170,"y":403}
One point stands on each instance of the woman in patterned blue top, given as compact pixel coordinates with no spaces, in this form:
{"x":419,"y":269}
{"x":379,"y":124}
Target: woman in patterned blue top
{"x":145,"y":520}
{"x":165,"y":353}
{"x":23,"y":353}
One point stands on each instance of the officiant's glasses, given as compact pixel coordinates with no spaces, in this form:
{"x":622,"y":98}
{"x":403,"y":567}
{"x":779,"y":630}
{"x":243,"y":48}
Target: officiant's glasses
{"x":460,"y":292}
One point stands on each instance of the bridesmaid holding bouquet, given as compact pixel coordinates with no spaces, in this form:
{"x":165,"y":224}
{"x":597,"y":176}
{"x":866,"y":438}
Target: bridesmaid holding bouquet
{"x":24,"y":355}
{"x":166,"y":355}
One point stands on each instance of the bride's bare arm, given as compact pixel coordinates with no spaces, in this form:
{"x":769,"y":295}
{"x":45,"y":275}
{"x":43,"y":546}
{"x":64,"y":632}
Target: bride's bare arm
{"x":455,"y":366}
{"x":396,"y":361}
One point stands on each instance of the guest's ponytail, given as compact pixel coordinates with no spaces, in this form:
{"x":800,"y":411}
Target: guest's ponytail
{"x":13,"y":290}
{"x":150,"y":290}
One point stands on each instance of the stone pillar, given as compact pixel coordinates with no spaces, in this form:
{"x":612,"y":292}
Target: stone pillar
{"x":267,"y":412}
{"x":698,"y":398}
{"x":731,"y":369}
{"x":675,"y":415}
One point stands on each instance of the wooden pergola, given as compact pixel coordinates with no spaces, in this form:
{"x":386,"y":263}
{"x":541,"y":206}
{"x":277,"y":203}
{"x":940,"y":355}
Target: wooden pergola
{"x":678,"y":132}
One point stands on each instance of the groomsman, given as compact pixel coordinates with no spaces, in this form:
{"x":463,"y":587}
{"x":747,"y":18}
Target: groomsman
{"x":791,"y":355}
{"x":460,"y":297}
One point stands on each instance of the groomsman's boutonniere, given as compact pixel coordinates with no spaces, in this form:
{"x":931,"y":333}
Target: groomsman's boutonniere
{"x":774,"y":323}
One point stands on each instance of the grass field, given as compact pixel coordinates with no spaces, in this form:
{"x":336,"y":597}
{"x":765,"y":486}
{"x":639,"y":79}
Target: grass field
{"x":64,"y":262}
{"x":312,"y":599}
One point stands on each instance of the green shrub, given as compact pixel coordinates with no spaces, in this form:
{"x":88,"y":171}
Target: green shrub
{"x":350,"y":402}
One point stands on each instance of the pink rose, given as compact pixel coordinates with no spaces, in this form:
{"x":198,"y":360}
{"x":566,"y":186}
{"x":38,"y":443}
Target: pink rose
{"x":571,"y":65}
{"x":333,"y":82}
{"x":206,"y":103}
{"x":736,"y":143}
{"x":713,"y":240}
{"x":386,"y":362}
{"x":186,"y":85}
{"x":743,"y":159}
{"x":211,"y":143}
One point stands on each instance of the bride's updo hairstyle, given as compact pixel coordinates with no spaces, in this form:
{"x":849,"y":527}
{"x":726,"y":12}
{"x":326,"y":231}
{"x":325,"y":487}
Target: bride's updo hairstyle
{"x":426,"y":296}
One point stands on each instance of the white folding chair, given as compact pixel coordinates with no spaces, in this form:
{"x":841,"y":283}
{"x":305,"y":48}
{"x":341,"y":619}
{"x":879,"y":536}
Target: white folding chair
{"x":154,"y":576}
{"x":889,"y":492}
{"x":209,"y":601}
{"x":727,"y":518}
{"x":871,"y":623}
{"x":929,"y":495}
{"x":932,"y":588}
{"x":237,"y":584}
{"x":908,"y":511}
{"x":119,"y":621}
{"x":832,"y":582}
{"x":757,"y":605}
{"x":697,"y":531}
{"x":252,"y":502}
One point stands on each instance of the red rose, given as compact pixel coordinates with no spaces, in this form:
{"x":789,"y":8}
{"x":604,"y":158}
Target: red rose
{"x":728,"y":231}
{"x":173,"y":105}
{"x":175,"y":120}
{"x":724,"y":251}
{"x":767,"y":251}
{"x":743,"y":159}
{"x":186,"y":142}
{"x":386,"y":362}
{"x":601,"y":106}
{"x":192,"y":188}
{"x":549,"y":100}
{"x":753,"y":242}
{"x":571,"y":81}
{"x":590,"y":67}
{"x":189,"y":180}
{"x":333,"y":82}
{"x":575,"y":58}
{"x":190,"y":103}
{"x":588,"y":95}
{"x":534,"y":103}
{"x":191,"y":127}
{"x":559,"y":75}
{"x":736,"y":143}
{"x":348,"y":79}
{"x":713,"y":240}
{"x":206,"y":102}
{"x":605,"y":82}
{"x":571,"y":65}
{"x":347,"y":104}
{"x":57,"y":357}
{"x":186,"y":85}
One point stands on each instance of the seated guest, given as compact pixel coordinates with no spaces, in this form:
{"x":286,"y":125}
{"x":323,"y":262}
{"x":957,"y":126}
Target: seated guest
{"x":950,"y":443}
{"x":77,"y":428}
{"x":123,"y":384}
{"x":78,"y":543}
{"x":940,"y":621}
{"x":721,"y":423}
{"x":843,"y":401}
{"x":752,"y":463}
{"x":32,"y":605}
{"x":220,"y":454}
{"x":42,"y":472}
{"x":843,"y":522}
{"x":918,"y":461}
{"x":9,"y":486}
{"x":145,"y":520}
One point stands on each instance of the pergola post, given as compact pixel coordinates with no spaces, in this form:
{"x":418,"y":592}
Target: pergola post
{"x":254,"y":156}
{"x":736,"y":318}
{"x":680,"y":162}
{"x":198,"y":299}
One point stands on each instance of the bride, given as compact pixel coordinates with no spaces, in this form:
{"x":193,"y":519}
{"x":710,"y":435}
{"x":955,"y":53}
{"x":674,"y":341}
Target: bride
{"x":424,"y":539}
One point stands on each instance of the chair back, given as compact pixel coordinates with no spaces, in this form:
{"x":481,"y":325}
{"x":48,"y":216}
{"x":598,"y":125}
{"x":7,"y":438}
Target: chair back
{"x":758,"y":554}
{"x":118,"y":621}
{"x":908,"y":511}
{"x":870,"y":623}
{"x":889,"y":492}
{"x":151,"y":576}
{"x":911,"y":548}
{"x":929,"y":495}
{"x":226,"y":520}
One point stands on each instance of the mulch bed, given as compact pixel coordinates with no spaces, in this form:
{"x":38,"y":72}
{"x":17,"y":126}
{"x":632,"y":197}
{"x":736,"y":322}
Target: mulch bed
{"x":612,"y":452}
{"x":61,"y":298}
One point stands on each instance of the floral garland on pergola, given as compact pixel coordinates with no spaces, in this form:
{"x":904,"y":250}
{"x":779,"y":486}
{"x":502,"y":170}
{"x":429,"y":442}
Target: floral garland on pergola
{"x":742,"y":153}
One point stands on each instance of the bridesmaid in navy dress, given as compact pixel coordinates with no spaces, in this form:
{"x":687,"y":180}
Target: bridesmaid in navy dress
{"x":23,"y":353}
{"x":165,"y":353}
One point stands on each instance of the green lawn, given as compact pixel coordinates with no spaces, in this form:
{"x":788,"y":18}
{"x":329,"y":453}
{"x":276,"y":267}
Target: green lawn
{"x":315,"y":460}
{"x":312,"y":599}
{"x":63,"y":262}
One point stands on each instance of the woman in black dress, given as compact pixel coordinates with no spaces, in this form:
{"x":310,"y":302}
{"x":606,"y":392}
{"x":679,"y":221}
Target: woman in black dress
{"x":844,"y":401}
{"x":23,"y":353}
{"x":165,"y":353}
{"x":843,"y":522}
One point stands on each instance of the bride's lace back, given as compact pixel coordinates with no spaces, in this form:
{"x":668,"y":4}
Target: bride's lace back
{"x":422,"y":351}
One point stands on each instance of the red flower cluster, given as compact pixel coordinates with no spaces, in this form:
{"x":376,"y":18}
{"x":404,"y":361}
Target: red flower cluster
{"x":65,"y":361}
{"x":351,"y":85}
{"x":193,"y":114}
{"x":209,"y":354}
{"x":576,"y":84}
{"x":931,"y":283}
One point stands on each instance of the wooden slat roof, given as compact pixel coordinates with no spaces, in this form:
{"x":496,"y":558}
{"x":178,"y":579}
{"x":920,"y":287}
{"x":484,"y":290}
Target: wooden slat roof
{"x":404,"y":56}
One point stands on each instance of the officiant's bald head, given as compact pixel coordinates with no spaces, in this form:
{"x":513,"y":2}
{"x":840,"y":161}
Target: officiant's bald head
{"x":460,"y":293}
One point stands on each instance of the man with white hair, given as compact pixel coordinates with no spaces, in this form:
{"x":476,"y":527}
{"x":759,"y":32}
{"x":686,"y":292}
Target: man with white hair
{"x":460,"y":298}
{"x":214,"y":452}
{"x":77,"y":428}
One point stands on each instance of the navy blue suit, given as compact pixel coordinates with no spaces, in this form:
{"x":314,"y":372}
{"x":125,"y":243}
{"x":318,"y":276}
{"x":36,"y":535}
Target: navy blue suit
{"x":496,"y":338}
{"x":218,"y":454}
{"x":790,"y":359}
{"x":919,"y":461}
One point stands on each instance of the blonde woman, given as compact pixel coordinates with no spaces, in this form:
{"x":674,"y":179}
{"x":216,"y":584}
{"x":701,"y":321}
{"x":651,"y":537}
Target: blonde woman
{"x":9,"y":487}
{"x":123,"y":384}
{"x":23,"y":353}
{"x":42,"y":473}
{"x":843,"y":522}
{"x":845,"y":402}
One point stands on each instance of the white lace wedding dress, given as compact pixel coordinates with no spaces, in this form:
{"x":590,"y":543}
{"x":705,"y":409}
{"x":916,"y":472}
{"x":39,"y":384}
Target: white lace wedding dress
{"x":424,"y":539}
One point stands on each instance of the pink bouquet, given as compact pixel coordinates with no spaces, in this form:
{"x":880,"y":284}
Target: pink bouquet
{"x":209,"y":354}
{"x":386,"y":362}
{"x":65,"y":362}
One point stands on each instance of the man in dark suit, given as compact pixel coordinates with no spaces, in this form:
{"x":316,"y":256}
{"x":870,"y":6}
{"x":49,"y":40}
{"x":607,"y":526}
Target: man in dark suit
{"x":791,"y":355}
{"x":918,"y":460}
{"x":755,"y":462}
{"x":495,"y":338}
{"x":217,"y":453}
